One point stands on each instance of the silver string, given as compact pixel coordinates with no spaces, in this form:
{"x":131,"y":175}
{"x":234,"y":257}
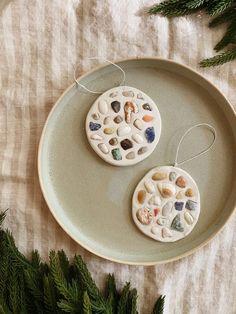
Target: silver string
{"x":208,"y":126}
{"x":99,"y":92}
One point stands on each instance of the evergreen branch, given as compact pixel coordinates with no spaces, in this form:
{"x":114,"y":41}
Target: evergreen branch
{"x":195,"y":4}
{"x":65,"y":264}
{"x":224,"y":17}
{"x":219,"y":6}
{"x":159,"y":305}
{"x":87,"y":309}
{"x":50,"y":295}
{"x":124,"y":298}
{"x":219,"y":59}
{"x":3,"y":216}
{"x":132,"y":302}
{"x":228,"y":37}
{"x":171,"y":8}
{"x":112,"y":294}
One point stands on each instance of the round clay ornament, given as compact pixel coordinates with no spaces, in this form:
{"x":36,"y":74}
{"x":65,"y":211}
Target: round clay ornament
{"x":123,"y":126}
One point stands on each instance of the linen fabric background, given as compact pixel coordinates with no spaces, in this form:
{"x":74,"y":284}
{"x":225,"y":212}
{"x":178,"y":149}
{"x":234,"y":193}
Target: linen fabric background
{"x":40,"y":41}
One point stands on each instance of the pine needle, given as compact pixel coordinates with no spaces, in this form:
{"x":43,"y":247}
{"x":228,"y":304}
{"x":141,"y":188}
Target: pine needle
{"x":87,"y":309}
{"x":219,"y":59}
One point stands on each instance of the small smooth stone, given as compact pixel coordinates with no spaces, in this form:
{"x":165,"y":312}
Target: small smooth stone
{"x":155,"y":200}
{"x":141,"y":196}
{"x":142,"y":150}
{"x":129,"y":93}
{"x":96,"y":137}
{"x":180,"y":195}
{"x":179,"y":206}
{"x":140,"y":96}
{"x":167,"y":208}
{"x":103,"y":107}
{"x":138,"y":124}
{"x":103,"y":148}
{"x":176,"y":224}
{"x":124,"y":130}
{"x":107,"y":120}
{"x":155,"y":230}
{"x":113,"y":141}
{"x":150,"y":134}
{"x":162,"y":221}
{"x":115,"y":105}
{"x":166,"y":233}
{"x":147,"y":107}
{"x":191,"y":205}
{"x":189,"y":192}
{"x":96,"y":116}
{"x":189,"y":218}
{"x":94,"y":126}
{"x":126,"y":144}
{"x":130,"y":155}
{"x":147,"y":118}
{"x":181,"y":182}
{"x":114,"y":94}
{"x":116,"y":154}
{"x":149,"y":186}
{"x":137,"y":138}
{"x":172,"y":176}
{"x":156,"y":211}
{"x":144,"y":216}
{"x":118,"y":119}
{"x":167,"y":189}
{"x":159,"y":176}
{"x":109,"y":130}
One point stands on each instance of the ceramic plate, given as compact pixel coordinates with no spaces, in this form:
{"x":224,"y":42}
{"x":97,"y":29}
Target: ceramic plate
{"x":92,"y":200}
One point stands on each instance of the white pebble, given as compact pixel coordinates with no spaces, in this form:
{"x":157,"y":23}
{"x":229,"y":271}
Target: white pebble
{"x":166,"y":210}
{"x":107,"y":120}
{"x":149,"y":186}
{"x":103,"y":148}
{"x":138,"y":124}
{"x":137,"y":138}
{"x":155,"y":230}
{"x":155,"y":200}
{"x":102,"y":106}
{"x":124,"y":130}
{"x":166,"y":233}
{"x":189,"y":218}
{"x":96,"y":137}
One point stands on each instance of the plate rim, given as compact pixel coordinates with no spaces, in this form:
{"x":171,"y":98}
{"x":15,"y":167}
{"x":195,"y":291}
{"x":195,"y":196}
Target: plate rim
{"x":43,"y":189}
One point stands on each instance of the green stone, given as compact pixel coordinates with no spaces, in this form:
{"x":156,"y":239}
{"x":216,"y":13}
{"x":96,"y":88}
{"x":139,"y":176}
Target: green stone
{"x":116,"y":154}
{"x":176,"y":224}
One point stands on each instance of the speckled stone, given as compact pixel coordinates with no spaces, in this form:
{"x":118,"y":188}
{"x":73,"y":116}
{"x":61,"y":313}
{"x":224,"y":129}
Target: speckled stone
{"x":113,"y":141}
{"x":179,"y":205}
{"x":172,"y":176}
{"x":144,"y":216}
{"x":147,"y":107}
{"x":130,"y":155}
{"x":96,"y":116}
{"x":115,"y":105}
{"x":176,"y":224}
{"x":142,"y":150}
{"x":150,"y":134}
{"x":109,"y":130}
{"x":118,"y":119}
{"x":94,"y":126}
{"x":116,"y":154}
{"x":191,"y":205}
{"x":189,"y":192}
{"x":128,"y":93}
{"x":126,"y":144}
{"x":181,"y":182}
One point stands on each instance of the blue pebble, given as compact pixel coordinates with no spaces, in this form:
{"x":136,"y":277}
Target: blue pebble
{"x":179,"y":206}
{"x":94,"y":126}
{"x":191,"y":205}
{"x":150,"y":134}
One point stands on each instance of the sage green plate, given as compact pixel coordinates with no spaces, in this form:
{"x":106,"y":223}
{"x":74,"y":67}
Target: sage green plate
{"x":91,"y":199}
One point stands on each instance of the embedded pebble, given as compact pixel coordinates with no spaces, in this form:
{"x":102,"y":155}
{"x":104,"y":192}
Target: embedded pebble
{"x":147,"y":107}
{"x":180,"y":195}
{"x":149,"y":186}
{"x":166,"y":189}
{"x":162,"y":221}
{"x":189,"y":218}
{"x":103,"y":107}
{"x":96,"y":116}
{"x":155,"y":230}
{"x":124,"y":130}
{"x":166,"y":233}
{"x":140,"y":96}
{"x":191,"y":205}
{"x":172,"y":176}
{"x":138,"y":124}
{"x":179,"y":206}
{"x":167,"y":208}
{"x":150,"y":134}
{"x":159,"y":176}
{"x":144,"y":216}
{"x":176,"y":224}
{"x":116,"y":154}
{"x":103,"y":148}
{"x":113,"y":141}
{"x":189,"y":192}
{"x":114,"y":94}
{"x":141,"y":196}
{"x":115,"y":105}
{"x":94,"y":126}
{"x":107,"y":120}
{"x":181,"y":182}
{"x":118,"y":119}
{"x":96,"y":137}
{"x":129,"y":93}
{"x":142,"y":150}
{"x":147,"y":118}
{"x":126,"y":144}
{"x":109,"y":130}
{"x":156,"y":211}
{"x":129,"y":108}
{"x":130,"y":155}
{"x":155,"y":200}
{"x":137,"y":138}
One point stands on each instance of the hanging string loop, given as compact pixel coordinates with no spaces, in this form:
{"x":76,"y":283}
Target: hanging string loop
{"x":210,"y":128}
{"x":99,"y":92}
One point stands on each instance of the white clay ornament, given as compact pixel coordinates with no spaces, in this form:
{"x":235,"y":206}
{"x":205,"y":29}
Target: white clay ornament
{"x":123,"y":126}
{"x":166,"y":202}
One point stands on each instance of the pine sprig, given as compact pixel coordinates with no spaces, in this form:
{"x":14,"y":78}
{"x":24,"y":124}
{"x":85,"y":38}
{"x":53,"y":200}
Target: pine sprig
{"x":222,"y":58}
{"x":87,"y":308}
{"x":159,"y":305}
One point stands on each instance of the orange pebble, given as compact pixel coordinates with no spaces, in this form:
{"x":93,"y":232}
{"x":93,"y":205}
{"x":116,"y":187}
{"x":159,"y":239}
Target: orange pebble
{"x":147,"y":118}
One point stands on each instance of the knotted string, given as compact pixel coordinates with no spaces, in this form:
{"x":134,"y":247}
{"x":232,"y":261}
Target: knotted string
{"x":99,"y":92}
{"x":209,"y":127}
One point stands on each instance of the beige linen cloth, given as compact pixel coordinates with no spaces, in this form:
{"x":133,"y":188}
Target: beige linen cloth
{"x":40,"y":40}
